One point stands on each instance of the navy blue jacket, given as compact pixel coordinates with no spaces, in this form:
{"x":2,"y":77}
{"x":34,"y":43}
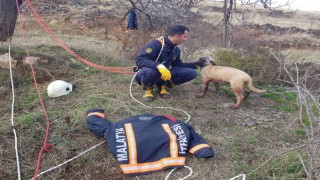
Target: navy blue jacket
{"x":132,"y":20}
{"x":20,"y":2}
{"x":148,"y":143}
{"x":170,"y":55}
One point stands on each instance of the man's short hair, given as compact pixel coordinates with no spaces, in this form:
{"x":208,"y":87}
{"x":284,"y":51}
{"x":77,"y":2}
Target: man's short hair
{"x":177,"y":30}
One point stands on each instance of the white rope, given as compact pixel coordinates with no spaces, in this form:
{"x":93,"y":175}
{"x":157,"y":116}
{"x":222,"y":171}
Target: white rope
{"x":12,"y":122}
{"x":162,"y":45}
{"x":175,"y":109}
{"x":186,"y":177}
{"x":239,"y":176}
{"x":55,"y":167}
{"x":189,"y":117}
{"x":103,"y":141}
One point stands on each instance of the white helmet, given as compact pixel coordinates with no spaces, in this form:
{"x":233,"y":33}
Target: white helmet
{"x":59,"y":88}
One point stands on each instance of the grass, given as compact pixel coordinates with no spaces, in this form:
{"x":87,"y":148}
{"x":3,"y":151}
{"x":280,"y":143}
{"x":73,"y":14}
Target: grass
{"x":110,"y":91}
{"x":284,"y":100}
{"x":246,"y":152}
{"x":65,"y":113}
{"x":287,"y":167}
{"x":27,"y":119}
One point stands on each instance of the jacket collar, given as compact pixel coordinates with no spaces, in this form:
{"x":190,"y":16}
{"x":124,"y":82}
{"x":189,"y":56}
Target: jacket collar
{"x":168,"y":43}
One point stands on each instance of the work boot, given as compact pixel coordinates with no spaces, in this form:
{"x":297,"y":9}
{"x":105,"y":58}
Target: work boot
{"x":164,"y":93}
{"x":148,"y":96}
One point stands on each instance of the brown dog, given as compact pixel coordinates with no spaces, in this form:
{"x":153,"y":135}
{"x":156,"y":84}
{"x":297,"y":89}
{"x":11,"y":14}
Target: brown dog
{"x":218,"y":74}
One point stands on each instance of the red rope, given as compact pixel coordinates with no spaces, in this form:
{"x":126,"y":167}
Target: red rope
{"x":50,"y":147}
{"x":46,"y":147}
{"x":64,"y":46}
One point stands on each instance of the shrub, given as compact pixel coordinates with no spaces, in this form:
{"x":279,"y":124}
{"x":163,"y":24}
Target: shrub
{"x":259,"y":64}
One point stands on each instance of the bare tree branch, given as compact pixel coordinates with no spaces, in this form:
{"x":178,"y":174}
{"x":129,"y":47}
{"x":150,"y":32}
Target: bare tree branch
{"x":309,"y":112}
{"x":162,"y":12}
{"x":278,"y":154}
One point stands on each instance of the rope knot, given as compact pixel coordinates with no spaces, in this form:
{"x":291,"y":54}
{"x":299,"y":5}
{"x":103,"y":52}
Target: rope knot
{"x":48,"y":147}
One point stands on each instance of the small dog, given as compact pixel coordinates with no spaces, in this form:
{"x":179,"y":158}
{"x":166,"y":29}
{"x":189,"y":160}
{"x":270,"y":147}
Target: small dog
{"x":218,"y":74}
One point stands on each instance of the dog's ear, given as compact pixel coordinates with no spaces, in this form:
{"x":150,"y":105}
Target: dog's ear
{"x":201,"y":59}
{"x":212,"y":62}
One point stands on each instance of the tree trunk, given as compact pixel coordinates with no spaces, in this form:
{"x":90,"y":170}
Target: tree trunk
{"x":225,"y":24}
{"x":8,"y":18}
{"x":226,"y":21}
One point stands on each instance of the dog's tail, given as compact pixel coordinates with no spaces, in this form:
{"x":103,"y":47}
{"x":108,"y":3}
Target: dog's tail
{"x":253,"y":89}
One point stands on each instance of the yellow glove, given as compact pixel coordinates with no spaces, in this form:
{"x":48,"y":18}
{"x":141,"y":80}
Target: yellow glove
{"x":165,"y":73}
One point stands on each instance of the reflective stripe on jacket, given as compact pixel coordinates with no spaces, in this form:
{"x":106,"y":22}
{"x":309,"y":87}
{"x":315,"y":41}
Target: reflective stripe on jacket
{"x":148,"y":143}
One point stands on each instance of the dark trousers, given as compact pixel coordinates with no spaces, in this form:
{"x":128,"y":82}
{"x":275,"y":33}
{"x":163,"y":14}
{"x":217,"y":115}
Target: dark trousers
{"x":149,"y":76}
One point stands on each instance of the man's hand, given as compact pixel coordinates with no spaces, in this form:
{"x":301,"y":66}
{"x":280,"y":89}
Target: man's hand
{"x":165,"y":73}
